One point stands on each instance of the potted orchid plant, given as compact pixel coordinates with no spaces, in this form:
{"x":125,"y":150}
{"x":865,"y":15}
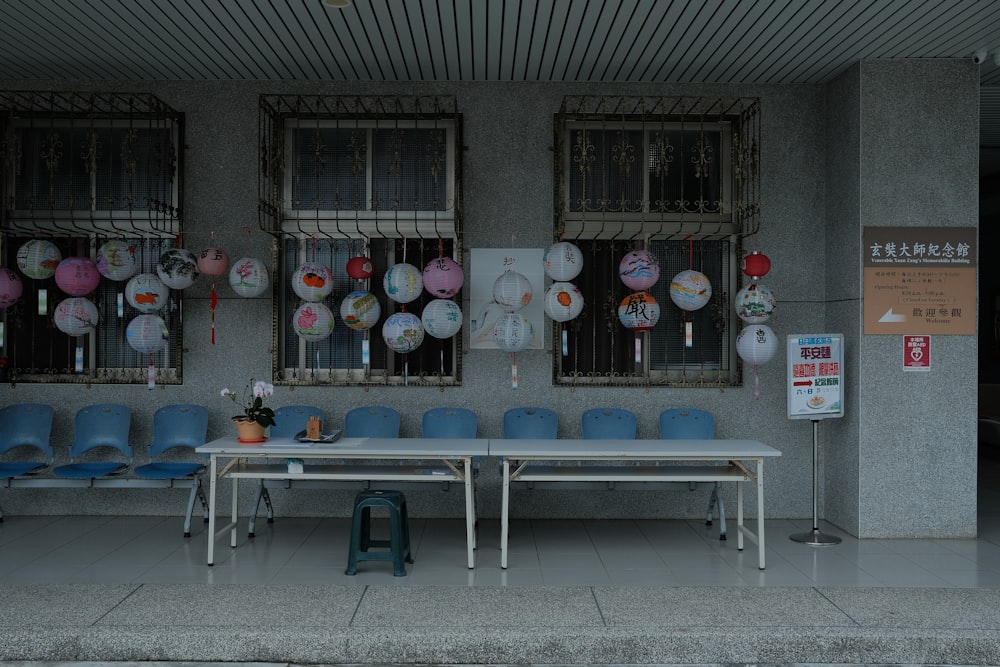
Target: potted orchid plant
{"x":255,"y":417}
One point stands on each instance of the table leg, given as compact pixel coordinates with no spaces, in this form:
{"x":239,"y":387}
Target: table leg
{"x":760,"y":513}
{"x":212,"y":468}
{"x":504,"y":514}
{"x":470,"y":514}
{"x":236,"y":495}
{"x":739,"y":515}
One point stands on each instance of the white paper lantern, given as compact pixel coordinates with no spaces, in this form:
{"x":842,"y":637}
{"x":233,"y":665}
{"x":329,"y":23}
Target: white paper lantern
{"x":563,"y":261}
{"x":513,"y":332}
{"x":147,"y":333}
{"x":755,"y":303}
{"x":76,"y":316}
{"x":116,"y":260}
{"x":639,"y":311}
{"x":756,"y":344}
{"x":313,"y":281}
{"x":38,"y":259}
{"x":403,"y":332}
{"x":690,"y":290}
{"x":512,"y":290}
{"x":312,"y":321}
{"x":360,"y":310}
{"x":639,"y":270}
{"x":177,"y":268}
{"x":442,"y":318}
{"x":403,"y":283}
{"x":249,"y":277}
{"x":146,"y":293}
{"x":563,"y":301}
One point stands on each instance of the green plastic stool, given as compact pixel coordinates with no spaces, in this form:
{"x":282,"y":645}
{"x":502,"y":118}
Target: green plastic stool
{"x":398,"y":544}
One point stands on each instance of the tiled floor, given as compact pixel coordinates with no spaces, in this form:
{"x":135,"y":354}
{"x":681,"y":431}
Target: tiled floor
{"x":550,"y":553}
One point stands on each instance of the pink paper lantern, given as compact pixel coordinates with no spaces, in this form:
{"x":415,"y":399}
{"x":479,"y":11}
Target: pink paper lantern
{"x":249,"y":277}
{"x":403,"y":283}
{"x":403,"y":332}
{"x":639,"y":311}
{"x":513,"y":332}
{"x":11,"y":288}
{"x":147,"y":333}
{"x":77,"y":276}
{"x":146,"y":293}
{"x":639,"y":270}
{"x":38,"y":259}
{"x":360,"y":310}
{"x":116,"y":260}
{"x":213,"y":261}
{"x":563,"y":301}
{"x":563,"y":261}
{"x":443,"y":277}
{"x":442,"y":318}
{"x":512,"y":290}
{"x":313,"y":321}
{"x":177,"y":268}
{"x":76,"y":316}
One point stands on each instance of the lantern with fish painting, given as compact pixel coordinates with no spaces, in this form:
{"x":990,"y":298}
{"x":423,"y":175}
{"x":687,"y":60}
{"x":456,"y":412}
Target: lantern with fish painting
{"x":146,"y":293}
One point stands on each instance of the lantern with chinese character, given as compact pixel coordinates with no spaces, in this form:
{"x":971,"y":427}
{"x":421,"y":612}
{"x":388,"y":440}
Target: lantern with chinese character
{"x":146,"y":293}
{"x":249,"y":277}
{"x":116,"y":260}
{"x":639,"y":270}
{"x":77,"y":276}
{"x":443,"y":277}
{"x":177,"y":268}
{"x":755,"y":303}
{"x":403,"y":283}
{"x":312,"y":321}
{"x":360,"y":310}
{"x":563,"y":261}
{"x":360,"y":268}
{"x":442,"y":318}
{"x":213,"y":261}
{"x":639,"y":311}
{"x":403,"y":332}
{"x":756,"y":265}
{"x":147,"y":333}
{"x":513,"y":332}
{"x":313,"y":281}
{"x":11,"y":288}
{"x":512,"y":290}
{"x":563,"y":301}
{"x":756,"y":344}
{"x":76,"y":316}
{"x":38,"y":259}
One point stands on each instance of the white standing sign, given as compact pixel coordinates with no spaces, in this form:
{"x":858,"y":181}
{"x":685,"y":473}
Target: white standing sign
{"x":815,"y":380}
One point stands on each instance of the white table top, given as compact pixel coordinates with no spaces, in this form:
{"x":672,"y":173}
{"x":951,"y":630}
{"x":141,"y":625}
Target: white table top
{"x":361,"y":448}
{"x":566,"y":448}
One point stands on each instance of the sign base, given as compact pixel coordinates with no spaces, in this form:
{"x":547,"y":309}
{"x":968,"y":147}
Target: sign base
{"x":815,"y":538}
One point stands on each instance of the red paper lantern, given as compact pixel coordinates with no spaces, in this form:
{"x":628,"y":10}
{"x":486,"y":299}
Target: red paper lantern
{"x":360,"y":268}
{"x":756,"y":265}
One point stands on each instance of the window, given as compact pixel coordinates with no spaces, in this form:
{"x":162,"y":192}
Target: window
{"x":82,"y":170}
{"x":676,"y":177}
{"x":347,"y":177}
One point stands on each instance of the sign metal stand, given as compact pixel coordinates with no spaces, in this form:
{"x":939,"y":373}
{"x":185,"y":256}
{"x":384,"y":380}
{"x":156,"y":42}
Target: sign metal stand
{"x":815,"y":537}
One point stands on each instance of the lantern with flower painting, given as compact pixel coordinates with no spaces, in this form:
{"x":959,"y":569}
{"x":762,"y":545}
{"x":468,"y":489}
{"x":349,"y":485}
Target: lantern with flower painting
{"x":248,"y":276}
{"x":403,"y":332}
{"x":76,"y":316}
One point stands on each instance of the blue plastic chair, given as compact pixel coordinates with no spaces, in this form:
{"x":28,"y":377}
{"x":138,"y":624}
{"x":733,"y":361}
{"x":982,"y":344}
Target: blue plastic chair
{"x":608,"y":424}
{"x":28,"y":426}
{"x":523,"y":423}
{"x":449,"y":423}
{"x":694,"y":424}
{"x":96,"y":427}
{"x":374,"y":421}
{"x":178,"y":427}
{"x":289,"y":421}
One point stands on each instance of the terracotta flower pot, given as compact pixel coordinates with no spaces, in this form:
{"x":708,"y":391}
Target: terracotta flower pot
{"x":249,"y":431}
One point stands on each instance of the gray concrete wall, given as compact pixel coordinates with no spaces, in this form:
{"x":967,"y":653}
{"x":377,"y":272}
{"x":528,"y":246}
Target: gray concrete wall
{"x":508,"y":202}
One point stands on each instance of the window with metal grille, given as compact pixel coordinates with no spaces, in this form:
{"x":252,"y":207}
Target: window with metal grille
{"x":343,"y":177}
{"x":80,"y":170}
{"x":676,"y":177}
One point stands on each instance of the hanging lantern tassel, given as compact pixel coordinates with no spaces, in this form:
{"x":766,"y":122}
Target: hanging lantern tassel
{"x":565,"y":340}
{"x":756,"y":382}
{"x":151,"y":374}
{"x":513,"y":370}
{"x":406,"y":370}
{"x":638,"y":348}
{"x":214,"y":303}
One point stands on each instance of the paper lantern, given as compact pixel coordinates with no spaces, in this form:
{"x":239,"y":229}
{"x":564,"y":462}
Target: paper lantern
{"x":442,"y":318}
{"x":403,"y":283}
{"x":360,"y":310}
{"x":639,"y":311}
{"x":512,"y":290}
{"x":38,"y":259}
{"x":513,"y":332}
{"x":563,"y":301}
{"x":76,"y":316}
{"x":146,"y":293}
{"x":77,"y":276}
{"x":249,"y":277}
{"x":756,"y":265}
{"x":563,"y":261}
{"x":213,"y":261}
{"x":755,"y":303}
{"x":147,"y":333}
{"x":360,"y":268}
{"x":756,"y":344}
{"x":116,"y":260}
{"x":639,"y":270}
{"x":443,"y":277}
{"x":177,"y":268}
{"x":11,"y":288}
{"x":313,"y":321}
{"x":690,"y":290}
{"x":313,"y":281}
{"x":403,"y":332}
